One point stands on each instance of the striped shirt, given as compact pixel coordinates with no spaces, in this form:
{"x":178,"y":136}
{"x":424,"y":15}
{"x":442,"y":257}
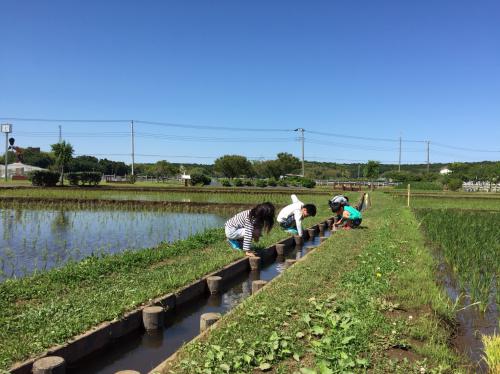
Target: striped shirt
{"x":239,"y":221}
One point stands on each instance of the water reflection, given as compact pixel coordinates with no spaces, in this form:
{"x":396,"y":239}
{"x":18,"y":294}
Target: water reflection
{"x":32,"y":240}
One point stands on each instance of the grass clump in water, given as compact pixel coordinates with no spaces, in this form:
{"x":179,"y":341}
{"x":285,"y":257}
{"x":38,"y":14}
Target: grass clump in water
{"x":492,"y":352}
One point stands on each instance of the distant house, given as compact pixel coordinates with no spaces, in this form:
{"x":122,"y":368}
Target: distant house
{"x":18,"y":170}
{"x":445,"y":171}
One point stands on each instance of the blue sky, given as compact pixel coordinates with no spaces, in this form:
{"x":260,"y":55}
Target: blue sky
{"x":428,"y":70}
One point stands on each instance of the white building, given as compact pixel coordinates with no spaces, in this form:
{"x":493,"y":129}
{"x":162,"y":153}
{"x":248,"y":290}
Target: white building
{"x":17,"y":169}
{"x":445,"y":171}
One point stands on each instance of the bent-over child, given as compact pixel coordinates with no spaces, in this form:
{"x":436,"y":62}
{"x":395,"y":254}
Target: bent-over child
{"x":248,"y":225}
{"x":290,"y":217}
{"x":350,"y":217}
{"x":336,"y":203}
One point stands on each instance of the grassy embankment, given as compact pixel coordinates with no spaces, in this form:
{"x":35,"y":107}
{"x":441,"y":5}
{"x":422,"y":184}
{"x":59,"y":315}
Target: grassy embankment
{"x":49,"y":308}
{"x":361,"y":301}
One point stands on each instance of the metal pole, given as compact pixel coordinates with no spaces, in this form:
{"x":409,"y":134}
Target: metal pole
{"x":303,"y":167}
{"x":399,"y":165}
{"x":428,"y":142}
{"x":60,"y":134}
{"x":133,"y":145}
{"x":6,"y":153}
{"x":301,"y":130}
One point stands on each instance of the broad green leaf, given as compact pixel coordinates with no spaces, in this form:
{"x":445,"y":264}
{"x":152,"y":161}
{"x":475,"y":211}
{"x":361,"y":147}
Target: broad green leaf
{"x":347,"y":339}
{"x":265,"y":366}
{"x":317,"y":330}
{"x":307,"y":371}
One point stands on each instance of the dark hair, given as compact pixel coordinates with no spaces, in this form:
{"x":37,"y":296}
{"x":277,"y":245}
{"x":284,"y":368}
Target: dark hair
{"x":311,"y":209}
{"x":262,"y":216}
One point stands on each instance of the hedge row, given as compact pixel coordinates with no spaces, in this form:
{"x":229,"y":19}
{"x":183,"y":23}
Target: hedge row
{"x":271,"y":182}
{"x":82,"y":178}
{"x":44,"y":178}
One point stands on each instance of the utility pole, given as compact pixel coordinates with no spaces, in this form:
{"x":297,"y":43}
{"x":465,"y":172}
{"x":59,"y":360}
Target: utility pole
{"x":428,"y":162}
{"x":133,"y":145}
{"x":399,"y":164}
{"x":359,"y":169}
{"x":7,"y":129}
{"x":301,"y":131}
{"x":60,"y":134}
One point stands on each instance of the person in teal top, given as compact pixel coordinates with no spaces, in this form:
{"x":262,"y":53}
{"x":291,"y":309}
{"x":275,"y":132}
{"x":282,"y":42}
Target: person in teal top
{"x":351,"y":217}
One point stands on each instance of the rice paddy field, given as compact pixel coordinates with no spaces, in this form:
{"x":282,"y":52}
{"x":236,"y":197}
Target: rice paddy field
{"x":249,"y":197}
{"x":39,"y":239}
{"x":387,"y":279}
{"x":463,"y":233}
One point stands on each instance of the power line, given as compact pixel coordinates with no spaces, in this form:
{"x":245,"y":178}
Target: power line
{"x":156,"y":136}
{"x":464,"y":149}
{"x":346,"y":145}
{"x":352,"y":136}
{"x":168,"y":156}
{"x":204,"y":127}
{"x":154,"y":123}
{"x":66,"y":120}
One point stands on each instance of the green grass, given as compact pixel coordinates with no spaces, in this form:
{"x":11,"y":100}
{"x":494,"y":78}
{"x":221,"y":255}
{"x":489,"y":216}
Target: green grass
{"x":449,"y":200}
{"x":211,"y":197}
{"x":49,"y":308}
{"x":470,"y":243}
{"x":425,"y":186}
{"x":342,"y":309}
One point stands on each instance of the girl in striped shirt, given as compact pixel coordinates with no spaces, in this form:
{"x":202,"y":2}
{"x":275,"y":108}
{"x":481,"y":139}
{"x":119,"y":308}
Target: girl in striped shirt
{"x":248,"y":225}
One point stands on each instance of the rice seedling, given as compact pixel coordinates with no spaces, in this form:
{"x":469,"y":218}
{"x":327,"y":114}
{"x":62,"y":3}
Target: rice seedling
{"x":470,"y":242}
{"x":208,"y":196}
{"x":492,"y":352}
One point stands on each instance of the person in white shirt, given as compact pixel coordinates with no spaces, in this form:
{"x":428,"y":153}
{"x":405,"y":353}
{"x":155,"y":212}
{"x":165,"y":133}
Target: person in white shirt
{"x":290,"y":217}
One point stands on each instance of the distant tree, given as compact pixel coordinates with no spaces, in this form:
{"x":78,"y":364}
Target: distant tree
{"x":288,"y":163}
{"x":372,"y":169}
{"x":454,"y":184}
{"x":11,"y":158}
{"x":63,"y":153}
{"x":232,"y":166}
{"x":162,"y":169}
{"x":35,"y":157}
{"x":84,"y":163}
{"x":285,"y":163}
{"x":109,"y":167}
{"x":268,"y":169}
{"x":199,"y":176}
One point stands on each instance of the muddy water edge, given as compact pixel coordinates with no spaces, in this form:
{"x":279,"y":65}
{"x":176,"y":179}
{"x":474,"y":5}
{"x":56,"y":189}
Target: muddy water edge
{"x":471,"y":322}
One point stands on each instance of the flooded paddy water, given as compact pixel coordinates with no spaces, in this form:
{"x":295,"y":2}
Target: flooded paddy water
{"x":43,"y":238}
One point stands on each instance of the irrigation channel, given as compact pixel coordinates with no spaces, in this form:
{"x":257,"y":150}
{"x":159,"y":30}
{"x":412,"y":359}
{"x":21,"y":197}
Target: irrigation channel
{"x":40,"y":239}
{"x":143,"y":351}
